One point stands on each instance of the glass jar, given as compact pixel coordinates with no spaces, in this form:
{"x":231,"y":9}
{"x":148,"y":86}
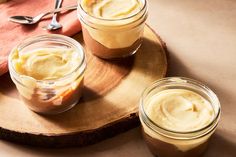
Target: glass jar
{"x":164,"y":142}
{"x":113,"y":38}
{"x":50,"y":96}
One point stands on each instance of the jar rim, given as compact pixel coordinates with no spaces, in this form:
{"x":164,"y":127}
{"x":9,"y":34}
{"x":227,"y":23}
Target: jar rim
{"x":38,"y":38}
{"x":154,"y":126}
{"x":112,"y":20}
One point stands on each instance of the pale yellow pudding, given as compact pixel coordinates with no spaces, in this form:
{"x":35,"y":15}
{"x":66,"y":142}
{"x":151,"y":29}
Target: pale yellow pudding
{"x":112,"y":9}
{"x":112,"y":28}
{"x":179,"y":110}
{"x":48,"y":72}
{"x":178,"y":117}
{"x":46,"y":63}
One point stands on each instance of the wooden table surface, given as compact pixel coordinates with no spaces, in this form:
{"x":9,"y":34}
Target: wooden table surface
{"x":201,"y":39}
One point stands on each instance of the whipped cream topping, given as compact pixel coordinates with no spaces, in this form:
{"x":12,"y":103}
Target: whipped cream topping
{"x":179,"y":110}
{"x":111,"y":30}
{"x":111,"y":9}
{"x":46,"y":63}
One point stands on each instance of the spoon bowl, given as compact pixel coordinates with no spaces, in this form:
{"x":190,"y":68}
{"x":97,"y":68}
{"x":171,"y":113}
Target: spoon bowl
{"x":22,"y":19}
{"x":54,"y":24}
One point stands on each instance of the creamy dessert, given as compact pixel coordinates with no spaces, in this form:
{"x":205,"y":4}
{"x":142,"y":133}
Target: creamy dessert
{"x":49,"y":78}
{"x":112,"y":28}
{"x":46,"y":63}
{"x":177,"y":122}
{"x":179,"y":110}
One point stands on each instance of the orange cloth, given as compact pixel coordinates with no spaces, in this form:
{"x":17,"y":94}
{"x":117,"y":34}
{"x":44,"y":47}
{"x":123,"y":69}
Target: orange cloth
{"x":11,"y":33}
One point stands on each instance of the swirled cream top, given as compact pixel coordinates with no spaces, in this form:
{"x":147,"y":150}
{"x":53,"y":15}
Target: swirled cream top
{"x":46,"y":63}
{"x":111,"y":9}
{"x":112,"y":32}
{"x":179,"y":110}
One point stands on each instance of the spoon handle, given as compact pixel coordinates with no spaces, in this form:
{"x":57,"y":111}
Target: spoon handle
{"x":28,"y":20}
{"x":61,"y":9}
{"x":57,"y":5}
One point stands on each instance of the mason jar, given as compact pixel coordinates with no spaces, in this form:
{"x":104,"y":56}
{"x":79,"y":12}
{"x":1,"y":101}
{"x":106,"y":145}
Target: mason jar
{"x":166,"y":141}
{"x":113,"y":38}
{"x":49,"y":96}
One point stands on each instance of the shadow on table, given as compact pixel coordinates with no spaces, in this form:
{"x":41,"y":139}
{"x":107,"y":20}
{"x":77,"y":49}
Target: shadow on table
{"x":219,"y":146}
{"x":129,"y":143}
{"x":7,"y":87}
{"x":177,"y":67}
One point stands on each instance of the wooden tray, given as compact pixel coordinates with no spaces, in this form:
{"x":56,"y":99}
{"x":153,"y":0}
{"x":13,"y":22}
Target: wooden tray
{"x":109,"y":104}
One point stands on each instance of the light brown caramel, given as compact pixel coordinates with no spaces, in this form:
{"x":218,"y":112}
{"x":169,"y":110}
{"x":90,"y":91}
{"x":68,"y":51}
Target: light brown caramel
{"x":101,"y":51}
{"x":69,"y":98}
{"x":162,"y":149}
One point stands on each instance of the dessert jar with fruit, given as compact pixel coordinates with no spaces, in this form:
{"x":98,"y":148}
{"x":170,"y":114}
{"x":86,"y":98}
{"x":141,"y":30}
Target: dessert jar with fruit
{"x":178,"y":117}
{"x":48,"y":72}
{"x":112,"y":28}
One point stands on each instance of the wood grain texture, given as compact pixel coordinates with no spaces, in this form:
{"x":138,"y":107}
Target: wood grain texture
{"x":109,"y":104}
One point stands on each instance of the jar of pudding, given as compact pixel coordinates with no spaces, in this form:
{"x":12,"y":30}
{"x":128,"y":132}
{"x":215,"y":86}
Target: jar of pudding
{"x":112,"y":28}
{"x":178,"y":116}
{"x":48,"y":72}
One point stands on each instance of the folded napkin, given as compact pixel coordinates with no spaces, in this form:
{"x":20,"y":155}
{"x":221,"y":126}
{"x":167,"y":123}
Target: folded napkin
{"x":11,"y":33}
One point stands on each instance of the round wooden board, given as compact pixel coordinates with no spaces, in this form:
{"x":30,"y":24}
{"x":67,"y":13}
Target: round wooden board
{"x":109,"y":104}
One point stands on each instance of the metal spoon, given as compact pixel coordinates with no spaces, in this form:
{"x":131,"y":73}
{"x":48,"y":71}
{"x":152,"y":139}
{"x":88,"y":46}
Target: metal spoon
{"x":32,"y":20}
{"x":54,"y":25}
